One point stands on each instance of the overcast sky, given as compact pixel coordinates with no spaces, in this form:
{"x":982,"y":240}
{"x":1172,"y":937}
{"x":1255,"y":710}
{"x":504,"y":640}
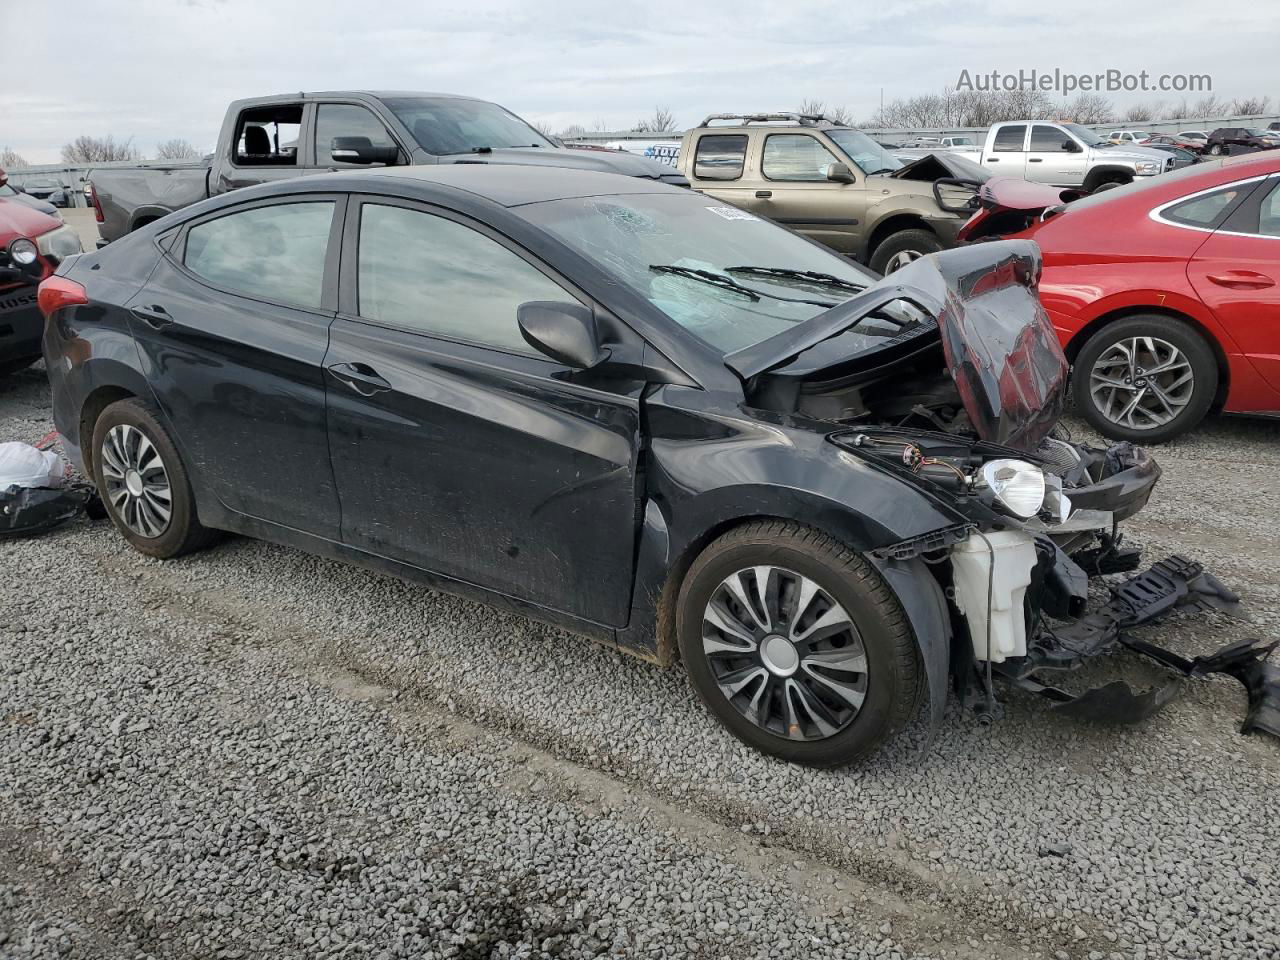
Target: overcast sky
{"x":155,"y":69}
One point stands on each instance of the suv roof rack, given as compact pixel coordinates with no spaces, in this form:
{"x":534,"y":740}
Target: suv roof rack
{"x":804,"y":119}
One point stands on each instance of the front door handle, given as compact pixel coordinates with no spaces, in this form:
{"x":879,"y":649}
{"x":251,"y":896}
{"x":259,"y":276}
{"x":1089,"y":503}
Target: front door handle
{"x":1242,"y":280}
{"x":993,"y":159}
{"x":154,"y":315}
{"x":360,"y":377}
{"x":1035,"y":159}
{"x":763,"y":194}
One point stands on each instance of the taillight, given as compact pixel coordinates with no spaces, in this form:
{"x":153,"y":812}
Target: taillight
{"x":97,"y":204}
{"x":58,"y":292}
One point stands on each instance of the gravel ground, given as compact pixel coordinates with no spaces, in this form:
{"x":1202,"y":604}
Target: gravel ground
{"x":255,"y":753}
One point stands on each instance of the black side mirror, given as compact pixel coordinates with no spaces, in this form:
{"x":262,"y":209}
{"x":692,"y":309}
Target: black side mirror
{"x":1070,"y":146}
{"x":840,"y":173}
{"x":565,"y":332}
{"x":361,"y":150}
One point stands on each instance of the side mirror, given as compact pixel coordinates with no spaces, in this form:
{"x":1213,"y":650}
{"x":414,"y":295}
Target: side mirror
{"x":565,"y":332}
{"x":4,"y":177}
{"x":840,"y":173}
{"x":361,"y":150}
{"x":1070,"y":146}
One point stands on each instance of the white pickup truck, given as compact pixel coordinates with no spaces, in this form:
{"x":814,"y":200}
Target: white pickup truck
{"x":1066,"y":155}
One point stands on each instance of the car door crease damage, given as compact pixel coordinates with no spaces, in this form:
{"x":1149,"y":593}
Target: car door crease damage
{"x":827,"y":498}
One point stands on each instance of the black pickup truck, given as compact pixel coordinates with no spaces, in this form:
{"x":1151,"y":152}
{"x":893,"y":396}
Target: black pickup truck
{"x":272,"y":138}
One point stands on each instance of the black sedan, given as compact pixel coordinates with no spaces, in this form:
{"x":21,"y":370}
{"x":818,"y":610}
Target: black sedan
{"x":617,"y":406}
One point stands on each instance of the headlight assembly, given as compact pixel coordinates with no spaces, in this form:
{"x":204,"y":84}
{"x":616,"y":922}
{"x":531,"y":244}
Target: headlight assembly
{"x":1146,"y":167}
{"x":59,"y":243}
{"x":1017,"y":487}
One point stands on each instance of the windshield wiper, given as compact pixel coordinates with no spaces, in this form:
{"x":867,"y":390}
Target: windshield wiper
{"x":811,"y":276}
{"x":728,"y":283}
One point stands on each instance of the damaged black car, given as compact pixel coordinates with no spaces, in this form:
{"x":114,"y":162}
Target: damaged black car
{"x":636,"y":413}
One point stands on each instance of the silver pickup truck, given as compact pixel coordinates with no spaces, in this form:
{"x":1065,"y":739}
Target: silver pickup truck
{"x":1066,"y":155}
{"x":274,"y":138}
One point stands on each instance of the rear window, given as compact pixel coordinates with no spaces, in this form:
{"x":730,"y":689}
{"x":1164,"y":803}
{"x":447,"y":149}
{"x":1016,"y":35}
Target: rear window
{"x":1010,"y":139}
{"x":1206,"y":211}
{"x":720,"y":157}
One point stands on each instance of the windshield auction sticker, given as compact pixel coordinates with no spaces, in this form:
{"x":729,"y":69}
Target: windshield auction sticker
{"x":732,"y":213}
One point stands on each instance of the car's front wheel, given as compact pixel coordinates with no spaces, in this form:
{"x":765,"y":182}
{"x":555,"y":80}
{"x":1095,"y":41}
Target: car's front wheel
{"x":143,"y":482}
{"x":1146,"y":378}
{"x":797,"y":645}
{"x":901,"y":248}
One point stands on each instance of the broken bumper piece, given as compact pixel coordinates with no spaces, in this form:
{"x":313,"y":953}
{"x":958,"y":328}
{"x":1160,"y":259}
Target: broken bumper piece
{"x":1175,"y":584}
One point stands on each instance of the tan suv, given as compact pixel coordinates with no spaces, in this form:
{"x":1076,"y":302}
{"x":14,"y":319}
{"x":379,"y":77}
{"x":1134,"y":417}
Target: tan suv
{"x":833,"y":183}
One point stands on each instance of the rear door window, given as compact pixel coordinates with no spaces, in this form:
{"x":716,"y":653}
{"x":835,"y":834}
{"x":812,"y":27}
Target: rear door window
{"x":268,"y":136}
{"x":1009,"y":139}
{"x":720,"y":157}
{"x":274,"y":252}
{"x":347,"y":120}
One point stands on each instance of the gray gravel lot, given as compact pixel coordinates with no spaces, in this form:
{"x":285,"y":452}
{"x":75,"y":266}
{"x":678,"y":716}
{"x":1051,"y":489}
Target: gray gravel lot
{"x":255,"y":753}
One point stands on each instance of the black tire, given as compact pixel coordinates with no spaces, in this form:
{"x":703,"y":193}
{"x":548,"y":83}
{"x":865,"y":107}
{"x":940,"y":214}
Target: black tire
{"x":1215,"y":150}
{"x":1203,"y":367}
{"x":919,"y":242}
{"x":891,"y":683}
{"x":181,"y":531}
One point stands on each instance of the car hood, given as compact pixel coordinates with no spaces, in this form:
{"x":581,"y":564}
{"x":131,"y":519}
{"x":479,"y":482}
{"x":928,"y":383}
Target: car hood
{"x":1131,"y":153}
{"x":1000,"y":348}
{"x":603,"y":161}
{"x":21,"y":219}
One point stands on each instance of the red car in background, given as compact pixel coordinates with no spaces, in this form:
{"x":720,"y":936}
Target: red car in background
{"x":32,"y":243}
{"x":1165,"y":292}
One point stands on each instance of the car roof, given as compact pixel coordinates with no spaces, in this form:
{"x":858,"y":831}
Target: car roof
{"x":508,"y":184}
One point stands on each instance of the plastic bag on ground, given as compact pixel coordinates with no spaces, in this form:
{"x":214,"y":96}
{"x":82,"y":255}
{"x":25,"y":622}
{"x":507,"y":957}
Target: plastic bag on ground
{"x":22,"y":465}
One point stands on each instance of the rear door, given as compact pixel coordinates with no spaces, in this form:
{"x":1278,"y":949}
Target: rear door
{"x":720,"y":168}
{"x":1236,"y":272}
{"x":793,"y":170}
{"x":232,"y":327}
{"x":267,"y":143}
{"x":1008,"y":154}
{"x":458,"y":448}
{"x":1051,"y":157}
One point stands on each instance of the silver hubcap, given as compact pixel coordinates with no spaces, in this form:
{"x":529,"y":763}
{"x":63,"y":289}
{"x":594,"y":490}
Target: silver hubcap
{"x":136,"y":480}
{"x":784,"y":653}
{"x":1141,"y":382}
{"x":900,"y":260}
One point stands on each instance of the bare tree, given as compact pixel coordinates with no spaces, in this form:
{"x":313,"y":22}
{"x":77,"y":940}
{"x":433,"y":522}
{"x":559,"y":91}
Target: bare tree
{"x":1087,"y":108}
{"x":86,"y":149}
{"x":662,"y":121}
{"x":542,"y":128}
{"x":964,"y":108}
{"x":818,"y":108}
{"x":1139,"y":113}
{"x":572,"y":130}
{"x":1209,"y":106}
{"x":1250,"y":106}
{"x":11,"y":159}
{"x":176,"y":149}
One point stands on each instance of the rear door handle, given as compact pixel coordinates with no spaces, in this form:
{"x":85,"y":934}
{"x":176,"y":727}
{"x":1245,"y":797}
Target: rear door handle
{"x":154,"y":315}
{"x":1242,"y":280}
{"x":360,"y":377}
{"x":993,"y":159}
{"x":764,"y":194}
{"x":1035,"y":159}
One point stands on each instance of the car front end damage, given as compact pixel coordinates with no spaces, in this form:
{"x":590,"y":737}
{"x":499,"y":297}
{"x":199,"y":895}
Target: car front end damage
{"x":1038,"y":515}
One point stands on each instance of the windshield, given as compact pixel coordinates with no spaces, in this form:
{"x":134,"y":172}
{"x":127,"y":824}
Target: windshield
{"x":1258,"y":132}
{"x":864,"y":151}
{"x":722,"y":273}
{"x":455,"y":125}
{"x":1084,"y":135}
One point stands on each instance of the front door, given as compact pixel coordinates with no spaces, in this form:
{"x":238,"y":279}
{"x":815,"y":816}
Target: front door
{"x":458,"y":448}
{"x":1236,"y":272}
{"x":1053,"y":157}
{"x":793,"y":171}
{"x":232,"y":327}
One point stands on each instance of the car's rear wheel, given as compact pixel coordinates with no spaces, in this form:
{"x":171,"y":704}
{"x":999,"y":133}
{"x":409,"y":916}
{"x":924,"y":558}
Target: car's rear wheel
{"x":797,"y":645}
{"x":902,"y":248}
{"x":143,"y":482}
{"x":1147,"y":378}
{"x":1215,"y":149}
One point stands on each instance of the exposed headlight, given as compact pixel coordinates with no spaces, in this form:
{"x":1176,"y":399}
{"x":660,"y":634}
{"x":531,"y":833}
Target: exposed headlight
{"x":59,"y":243}
{"x":23,"y":252}
{"x":1146,"y":167}
{"x":1016,"y":485}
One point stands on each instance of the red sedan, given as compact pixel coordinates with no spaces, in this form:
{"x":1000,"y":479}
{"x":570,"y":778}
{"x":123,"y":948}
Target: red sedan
{"x":1165,"y":292}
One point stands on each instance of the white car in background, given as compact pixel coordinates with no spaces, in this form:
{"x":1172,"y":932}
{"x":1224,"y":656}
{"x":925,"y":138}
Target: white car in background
{"x":1127,"y":136}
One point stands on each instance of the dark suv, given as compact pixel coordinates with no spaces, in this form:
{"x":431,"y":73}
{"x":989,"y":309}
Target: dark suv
{"x":1224,"y":138}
